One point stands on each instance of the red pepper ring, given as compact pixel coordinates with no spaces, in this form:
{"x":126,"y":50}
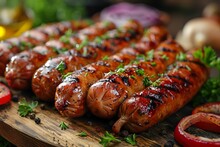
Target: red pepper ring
{"x":189,"y":140}
{"x":214,"y":108}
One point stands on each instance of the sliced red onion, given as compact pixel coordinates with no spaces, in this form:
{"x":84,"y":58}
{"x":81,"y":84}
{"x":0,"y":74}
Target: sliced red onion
{"x":120,"y":13}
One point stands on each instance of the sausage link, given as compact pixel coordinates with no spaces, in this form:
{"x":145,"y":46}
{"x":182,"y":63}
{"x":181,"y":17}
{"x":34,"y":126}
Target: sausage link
{"x":32,"y":38}
{"x":27,"y":62}
{"x":48,"y":77}
{"x":71,"y":93}
{"x":105,"y":96}
{"x":169,"y":94}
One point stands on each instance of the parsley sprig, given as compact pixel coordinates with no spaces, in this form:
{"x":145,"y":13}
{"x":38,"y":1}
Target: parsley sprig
{"x":82,"y":134}
{"x":24,"y":107}
{"x":108,"y":138}
{"x":210,"y":91}
{"x":131,"y":139}
{"x":63,"y":126}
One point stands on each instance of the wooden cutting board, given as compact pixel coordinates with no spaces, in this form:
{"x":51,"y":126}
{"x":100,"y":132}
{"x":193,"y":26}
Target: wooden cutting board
{"x":22,"y":131}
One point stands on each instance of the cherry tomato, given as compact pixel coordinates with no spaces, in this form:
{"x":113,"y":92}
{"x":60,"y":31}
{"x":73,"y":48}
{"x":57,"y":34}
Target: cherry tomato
{"x":5,"y":94}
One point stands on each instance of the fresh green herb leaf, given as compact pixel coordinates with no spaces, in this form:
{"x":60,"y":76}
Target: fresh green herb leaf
{"x":86,"y":74}
{"x":64,"y":39}
{"x":63,"y":126}
{"x":98,"y":40}
{"x":146,"y":82}
{"x":209,"y":92}
{"x":140,"y":72}
{"x":131,"y":139}
{"x":61,"y":66}
{"x":150,"y":55}
{"x":105,"y":57}
{"x":85,"y":52}
{"x":206,"y":55}
{"x":82,"y":44}
{"x":82,"y":134}
{"x":156,"y":83}
{"x":165,"y":57}
{"x":140,"y":57}
{"x":153,"y":64}
{"x":66,"y":75}
{"x":181,"y":56}
{"x":133,"y":77}
{"x":59,"y":50}
{"x":25,"y":107}
{"x":120,"y":70}
{"x":108,"y":138}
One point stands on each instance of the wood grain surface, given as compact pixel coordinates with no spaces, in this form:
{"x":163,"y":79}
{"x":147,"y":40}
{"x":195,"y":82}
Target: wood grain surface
{"x":22,"y":131}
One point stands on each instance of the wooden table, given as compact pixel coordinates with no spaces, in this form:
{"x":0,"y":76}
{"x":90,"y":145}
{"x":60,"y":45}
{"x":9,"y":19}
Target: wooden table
{"x":22,"y":131}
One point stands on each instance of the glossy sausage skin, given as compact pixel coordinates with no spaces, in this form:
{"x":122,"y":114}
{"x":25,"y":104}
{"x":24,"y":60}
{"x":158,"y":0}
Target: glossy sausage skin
{"x":157,"y":102}
{"x":34,"y":59}
{"x":32,"y":38}
{"x":47,"y":78}
{"x":71,"y":93}
{"x":106,"y":95}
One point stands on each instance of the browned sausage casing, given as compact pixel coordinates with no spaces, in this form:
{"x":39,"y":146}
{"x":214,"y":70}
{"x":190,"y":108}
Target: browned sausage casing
{"x":155,"y":103}
{"x":38,"y":36}
{"x":27,"y":62}
{"x":48,"y":77}
{"x":71,"y":93}
{"x":106,"y":95}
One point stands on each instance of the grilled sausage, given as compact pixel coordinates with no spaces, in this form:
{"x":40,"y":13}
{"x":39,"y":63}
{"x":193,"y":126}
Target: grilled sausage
{"x":48,"y":77}
{"x":106,"y":95}
{"x":169,"y":94}
{"x":29,"y":39}
{"x":27,"y":62}
{"x":71,"y":93}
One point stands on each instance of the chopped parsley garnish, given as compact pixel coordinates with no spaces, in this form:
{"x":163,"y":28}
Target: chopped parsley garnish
{"x":153,"y":64}
{"x":85,"y":51}
{"x":82,"y":134}
{"x":63,"y":126}
{"x":156,"y":83}
{"x":121,"y":65}
{"x":66,"y":75}
{"x":59,"y":50}
{"x":24,"y":45}
{"x":208,"y":56}
{"x":98,"y":40}
{"x":150,"y":55}
{"x":181,"y":56}
{"x":61,"y":66}
{"x":82,"y":44}
{"x":105,"y":57}
{"x":132,"y":76}
{"x":131,"y":139}
{"x":141,"y":57}
{"x":108,"y":138}
{"x":140,"y":72}
{"x":147,"y":81}
{"x":24,"y":107}
{"x":210,"y":90}
{"x":66,"y":37}
{"x":120,"y":70}
{"x":165,"y":57}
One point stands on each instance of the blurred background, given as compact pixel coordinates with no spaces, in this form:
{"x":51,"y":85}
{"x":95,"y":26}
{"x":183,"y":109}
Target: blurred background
{"x":17,"y":16}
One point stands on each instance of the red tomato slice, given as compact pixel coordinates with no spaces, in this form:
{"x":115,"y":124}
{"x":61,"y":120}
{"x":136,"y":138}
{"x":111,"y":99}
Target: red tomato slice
{"x":5,"y":94}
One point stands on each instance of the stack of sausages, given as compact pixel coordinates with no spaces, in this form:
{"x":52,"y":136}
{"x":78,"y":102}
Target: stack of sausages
{"x":129,"y":72}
